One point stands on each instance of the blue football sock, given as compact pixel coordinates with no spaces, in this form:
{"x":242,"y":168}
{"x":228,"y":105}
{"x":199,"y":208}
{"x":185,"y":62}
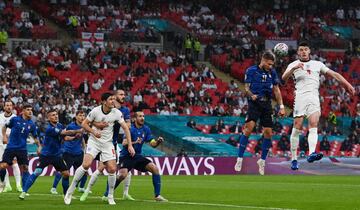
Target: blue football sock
{"x":265,"y":148}
{"x":24,"y":177}
{"x":29,"y":182}
{"x":243,"y":143}
{"x":83,"y":181}
{"x":2,"y":174}
{"x":57,"y":178}
{"x":157,"y":184}
{"x":65,"y":184}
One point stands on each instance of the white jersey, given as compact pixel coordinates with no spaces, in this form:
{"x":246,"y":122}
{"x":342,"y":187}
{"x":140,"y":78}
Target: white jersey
{"x":307,"y":80}
{"x":97,"y":115}
{"x":4,"y":120}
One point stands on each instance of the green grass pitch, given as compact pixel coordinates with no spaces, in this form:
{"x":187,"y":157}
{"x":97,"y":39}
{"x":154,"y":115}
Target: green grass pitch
{"x":206,"y":192}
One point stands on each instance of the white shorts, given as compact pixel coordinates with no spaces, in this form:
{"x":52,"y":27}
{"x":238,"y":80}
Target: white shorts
{"x":2,"y":150}
{"x":107,"y":150}
{"x":306,"y":104}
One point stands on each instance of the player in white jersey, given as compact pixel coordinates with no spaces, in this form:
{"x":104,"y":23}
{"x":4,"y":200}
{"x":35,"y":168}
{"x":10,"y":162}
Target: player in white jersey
{"x":100,"y":141}
{"x":306,"y":74}
{"x":119,"y":104}
{"x":4,"y":119}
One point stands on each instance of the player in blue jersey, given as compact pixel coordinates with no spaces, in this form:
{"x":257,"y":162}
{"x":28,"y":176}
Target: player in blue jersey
{"x":260,"y":82}
{"x":117,"y":138}
{"x":21,"y":127}
{"x":51,"y":153}
{"x":140,"y":134}
{"x":72,"y":148}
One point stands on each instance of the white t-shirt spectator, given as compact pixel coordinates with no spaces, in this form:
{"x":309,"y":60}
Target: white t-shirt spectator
{"x":81,"y":52}
{"x":138,"y":98}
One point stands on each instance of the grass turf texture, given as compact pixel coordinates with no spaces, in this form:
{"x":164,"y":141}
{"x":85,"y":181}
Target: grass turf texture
{"x":206,"y":192}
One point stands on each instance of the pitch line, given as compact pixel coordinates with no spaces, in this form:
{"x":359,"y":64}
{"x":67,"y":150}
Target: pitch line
{"x":170,"y":202}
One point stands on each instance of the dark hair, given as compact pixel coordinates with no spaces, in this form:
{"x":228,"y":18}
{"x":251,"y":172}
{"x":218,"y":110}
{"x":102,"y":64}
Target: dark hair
{"x":79,"y":112}
{"x":9,"y":101}
{"x":51,"y":110}
{"x":105,"y":96}
{"x":268,"y":55}
{"x":25,"y":106}
{"x":304,"y":44}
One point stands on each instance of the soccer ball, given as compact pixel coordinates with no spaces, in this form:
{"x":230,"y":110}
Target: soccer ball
{"x":281,"y":49}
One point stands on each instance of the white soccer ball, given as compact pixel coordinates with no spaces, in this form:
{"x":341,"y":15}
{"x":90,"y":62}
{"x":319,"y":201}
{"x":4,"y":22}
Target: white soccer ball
{"x":281,"y":49}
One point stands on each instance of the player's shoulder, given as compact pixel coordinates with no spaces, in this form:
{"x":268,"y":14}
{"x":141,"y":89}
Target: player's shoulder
{"x":252,"y":69}
{"x":146,"y":128}
{"x":316,"y":62}
{"x":124,"y":109}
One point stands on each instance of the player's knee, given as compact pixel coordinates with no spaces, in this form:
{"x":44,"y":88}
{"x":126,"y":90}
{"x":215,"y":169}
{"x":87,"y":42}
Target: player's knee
{"x":65,"y":174}
{"x":3,"y":165}
{"x":24,"y":168}
{"x":111,"y":169}
{"x":267,"y":133}
{"x":123,"y":174}
{"x":38,"y":171}
{"x":86,"y":166}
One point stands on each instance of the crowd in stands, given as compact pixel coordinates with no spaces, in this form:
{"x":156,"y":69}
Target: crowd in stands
{"x":22,"y":23}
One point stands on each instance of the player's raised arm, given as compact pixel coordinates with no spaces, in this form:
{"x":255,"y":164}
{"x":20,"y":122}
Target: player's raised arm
{"x":342,"y":80}
{"x":154,"y":143}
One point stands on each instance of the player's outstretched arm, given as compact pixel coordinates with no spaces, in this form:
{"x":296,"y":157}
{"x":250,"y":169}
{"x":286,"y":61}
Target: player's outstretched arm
{"x":342,"y":80}
{"x":249,"y":93}
{"x":279,"y":100}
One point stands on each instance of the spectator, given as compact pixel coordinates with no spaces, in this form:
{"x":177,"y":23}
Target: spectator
{"x":236,"y":128}
{"x":138,"y":97}
{"x":191,"y":124}
{"x":215,"y":128}
{"x":284,"y":143}
{"x":325,"y":145}
{"x":346,"y":146}
{"x":97,"y":84}
{"x":232,"y":141}
{"x":85,"y":87}
{"x":182,"y":153}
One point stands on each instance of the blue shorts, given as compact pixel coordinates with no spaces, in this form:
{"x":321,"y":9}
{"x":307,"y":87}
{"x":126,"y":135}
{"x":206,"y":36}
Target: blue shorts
{"x":260,"y":110}
{"x":20,"y":155}
{"x":73,"y":160}
{"x":137,"y":162}
{"x":58,"y":162}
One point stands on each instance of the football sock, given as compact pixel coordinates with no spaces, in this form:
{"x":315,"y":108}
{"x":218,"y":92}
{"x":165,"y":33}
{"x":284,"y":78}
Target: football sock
{"x":157,"y":184}
{"x":127,"y":181}
{"x":243,"y":144}
{"x":294,"y":143}
{"x":57,"y":178}
{"x":265,"y":148}
{"x":65,"y":184}
{"x":312,"y":139}
{"x":93,"y":179}
{"x":17,"y":174}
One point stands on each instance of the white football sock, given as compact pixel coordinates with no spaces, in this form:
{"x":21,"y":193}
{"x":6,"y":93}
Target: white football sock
{"x":6,"y":180}
{"x":93,"y":180}
{"x":294,"y":143}
{"x":79,"y":173}
{"x":111,"y":182}
{"x":17,"y":174}
{"x":312,"y":139}
{"x":127,"y":181}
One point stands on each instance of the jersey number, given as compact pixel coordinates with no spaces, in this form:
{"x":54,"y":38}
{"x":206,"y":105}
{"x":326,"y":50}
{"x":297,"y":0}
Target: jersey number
{"x":264,"y":78}
{"x":22,"y":130}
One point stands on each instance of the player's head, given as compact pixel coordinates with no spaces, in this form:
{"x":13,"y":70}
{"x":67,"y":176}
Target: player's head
{"x":8,"y":106}
{"x":304,"y":51}
{"x":27,"y":111}
{"x":80,"y":116}
{"x":267,"y":60}
{"x":120,"y":96}
{"x":107,"y":100}
{"x":53,"y":116}
{"x":139,"y":117}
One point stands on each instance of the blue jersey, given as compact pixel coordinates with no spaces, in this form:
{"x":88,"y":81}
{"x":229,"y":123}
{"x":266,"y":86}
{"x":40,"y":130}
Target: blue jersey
{"x":126,"y":114}
{"x":52,"y":141}
{"x":20,"y":130}
{"x":261,"y":81}
{"x":73,"y":147}
{"x":142,"y":134}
